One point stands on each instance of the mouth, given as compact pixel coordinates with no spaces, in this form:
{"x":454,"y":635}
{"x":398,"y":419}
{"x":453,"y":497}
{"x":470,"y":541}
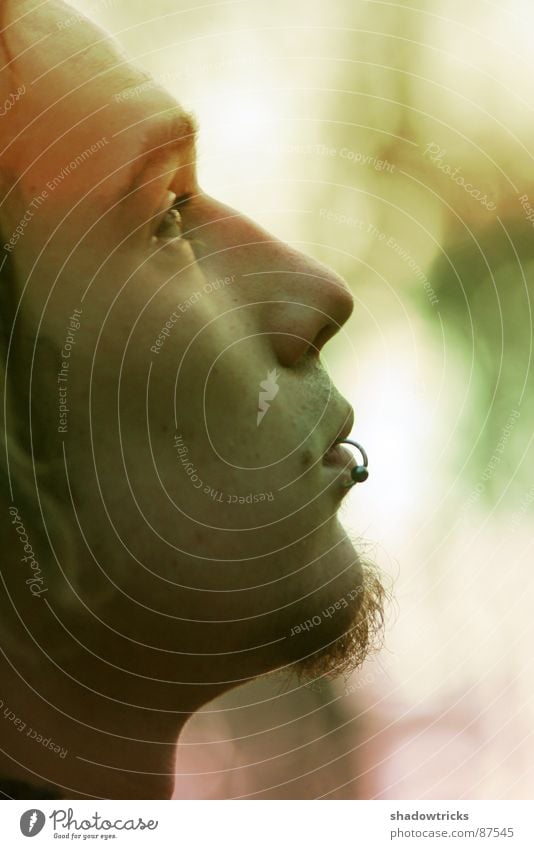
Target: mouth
{"x":343,"y":432}
{"x":338,"y":456}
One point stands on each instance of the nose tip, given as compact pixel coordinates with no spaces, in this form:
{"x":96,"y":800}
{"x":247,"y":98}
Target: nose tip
{"x":347,"y":423}
{"x":350,"y":419}
{"x":340,"y":307}
{"x":344,"y":297}
{"x":316,"y":303}
{"x":304,"y":303}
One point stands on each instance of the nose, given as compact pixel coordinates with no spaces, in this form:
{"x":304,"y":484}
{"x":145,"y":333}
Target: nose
{"x":301,"y":303}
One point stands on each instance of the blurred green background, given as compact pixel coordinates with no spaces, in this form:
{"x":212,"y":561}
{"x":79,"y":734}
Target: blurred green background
{"x":393,"y":141}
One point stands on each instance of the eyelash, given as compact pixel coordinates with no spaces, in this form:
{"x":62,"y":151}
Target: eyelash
{"x":173,"y":218}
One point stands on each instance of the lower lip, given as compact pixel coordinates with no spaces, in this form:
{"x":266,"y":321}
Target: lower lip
{"x":339,"y":457}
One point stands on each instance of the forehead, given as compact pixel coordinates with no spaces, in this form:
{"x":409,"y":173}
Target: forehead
{"x":80,"y":88}
{"x":69,"y":65}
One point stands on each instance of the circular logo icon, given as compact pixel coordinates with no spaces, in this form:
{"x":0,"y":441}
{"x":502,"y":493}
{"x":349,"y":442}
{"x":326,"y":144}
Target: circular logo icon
{"x":32,"y":822}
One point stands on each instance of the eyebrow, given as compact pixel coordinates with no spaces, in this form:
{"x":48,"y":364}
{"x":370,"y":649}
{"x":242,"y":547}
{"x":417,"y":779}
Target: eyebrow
{"x":180,"y":125}
{"x":169,"y":131}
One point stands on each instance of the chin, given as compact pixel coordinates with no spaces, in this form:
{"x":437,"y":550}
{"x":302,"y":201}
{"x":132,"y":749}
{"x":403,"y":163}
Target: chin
{"x":343,"y":619}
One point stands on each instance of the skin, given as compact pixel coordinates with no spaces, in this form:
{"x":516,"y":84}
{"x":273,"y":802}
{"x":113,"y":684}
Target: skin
{"x":177,"y":591}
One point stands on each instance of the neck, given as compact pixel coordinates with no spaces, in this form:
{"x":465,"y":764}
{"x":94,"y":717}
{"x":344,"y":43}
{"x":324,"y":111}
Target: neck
{"x":106,"y":740}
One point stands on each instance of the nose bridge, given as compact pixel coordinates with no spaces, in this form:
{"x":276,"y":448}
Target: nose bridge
{"x":319,"y":286}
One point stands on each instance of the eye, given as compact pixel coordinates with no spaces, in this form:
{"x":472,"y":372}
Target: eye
{"x":171,"y":226}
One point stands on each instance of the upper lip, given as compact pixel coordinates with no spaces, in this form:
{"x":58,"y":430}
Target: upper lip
{"x":345,"y":429}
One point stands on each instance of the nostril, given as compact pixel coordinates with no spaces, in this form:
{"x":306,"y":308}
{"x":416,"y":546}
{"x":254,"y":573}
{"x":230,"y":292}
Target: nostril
{"x":325,"y":333}
{"x":345,"y":300}
{"x":340,"y":307}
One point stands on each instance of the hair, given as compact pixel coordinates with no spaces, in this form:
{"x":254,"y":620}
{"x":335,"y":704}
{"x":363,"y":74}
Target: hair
{"x":15,"y":462}
{"x":362,"y":639}
{"x":29,"y":479}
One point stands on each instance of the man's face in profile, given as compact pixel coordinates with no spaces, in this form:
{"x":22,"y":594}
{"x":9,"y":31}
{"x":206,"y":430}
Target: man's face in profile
{"x":172,"y":351}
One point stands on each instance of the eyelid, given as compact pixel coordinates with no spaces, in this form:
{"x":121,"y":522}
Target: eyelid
{"x":176,"y":207}
{"x":153,"y":223}
{"x":181,"y":200}
{"x":171,"y":201}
